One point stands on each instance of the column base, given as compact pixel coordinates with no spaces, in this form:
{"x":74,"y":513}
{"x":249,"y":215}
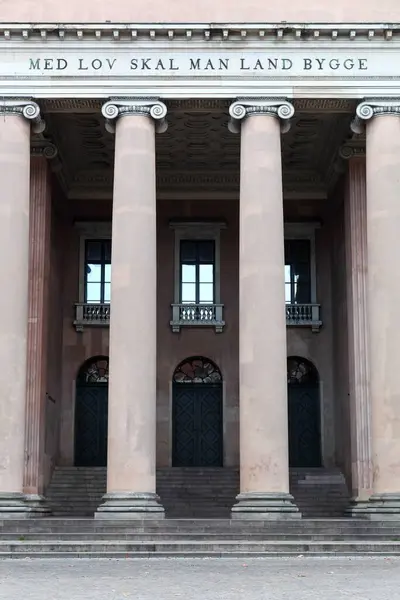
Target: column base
{"x":357,"y":508}
{"x":380,"y":507}
{"x":130,"y":505}
{"x":265,"y":506}
{"x":12,"y":506}
{"x":37,"y":505}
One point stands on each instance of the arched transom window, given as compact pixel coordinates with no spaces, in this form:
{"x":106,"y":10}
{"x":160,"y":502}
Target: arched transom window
{"x":94,"y":370}
{"x":197,"y":370}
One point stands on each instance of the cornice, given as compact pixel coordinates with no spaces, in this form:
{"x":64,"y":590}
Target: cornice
{"x":209,"y":31}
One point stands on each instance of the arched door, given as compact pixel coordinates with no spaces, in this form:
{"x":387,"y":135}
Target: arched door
{"x":197,"y":414}
{"x":91,"y":413}
{"x":304,"y":413}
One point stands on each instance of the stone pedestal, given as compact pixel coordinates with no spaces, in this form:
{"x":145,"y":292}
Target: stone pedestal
{"x":264,"y":469}
{"x":357,"y":267}
{"x":131,"y":482}
{"x":383,"y":226}
{"x":14,"y":248}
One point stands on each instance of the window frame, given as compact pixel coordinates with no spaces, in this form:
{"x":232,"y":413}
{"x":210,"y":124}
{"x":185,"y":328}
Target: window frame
{"x":102,"y":264}
{"x":197,"y":231}
{"x":89,"y":231}
{"x":197,"y":281}
{"x":305,"y":231}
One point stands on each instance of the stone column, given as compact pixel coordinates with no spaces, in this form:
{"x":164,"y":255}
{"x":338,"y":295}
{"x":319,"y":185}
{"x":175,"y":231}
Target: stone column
{"x":14,"y":247}
{"x":264,"y":468}
{"x":131,"y":481}
{"x":357,"y":263}
{"x":39,"y":263}
{"x":383,"y":227}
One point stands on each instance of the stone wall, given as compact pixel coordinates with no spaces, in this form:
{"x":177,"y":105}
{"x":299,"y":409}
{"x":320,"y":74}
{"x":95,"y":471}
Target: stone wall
{"x":172,"y":348}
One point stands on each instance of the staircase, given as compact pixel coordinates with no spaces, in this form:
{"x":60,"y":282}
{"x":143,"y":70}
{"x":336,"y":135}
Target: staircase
{"x":91,"y":538}
{"x":196,"y":492}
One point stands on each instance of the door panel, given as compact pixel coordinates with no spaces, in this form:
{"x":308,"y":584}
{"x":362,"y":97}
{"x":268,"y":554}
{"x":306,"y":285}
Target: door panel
{"x":91,"y":414}
{"x":197,"y":425}
{"x":304,"y":427}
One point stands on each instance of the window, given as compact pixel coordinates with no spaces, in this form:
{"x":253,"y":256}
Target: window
{"x":298,"y":271}
{"x":97,"y":271}
{"x":197,"y":271}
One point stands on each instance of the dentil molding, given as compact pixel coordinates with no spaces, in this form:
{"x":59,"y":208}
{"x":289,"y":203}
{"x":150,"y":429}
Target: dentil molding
{"x":193,"y":31}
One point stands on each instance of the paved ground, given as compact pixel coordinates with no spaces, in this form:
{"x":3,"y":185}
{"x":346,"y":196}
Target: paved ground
{"x":201,"y":579}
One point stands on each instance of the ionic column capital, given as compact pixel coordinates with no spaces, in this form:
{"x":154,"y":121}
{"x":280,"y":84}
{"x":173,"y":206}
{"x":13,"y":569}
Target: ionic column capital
{"x":44,"y":148}
{"x":122,"y":107}
{"x":374,"y":107}
{"x":351,"y":150}
{"x":249,"y":107}
{"x":25,"y":108}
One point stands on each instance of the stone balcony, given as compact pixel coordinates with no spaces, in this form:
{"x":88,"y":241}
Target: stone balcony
{"x":197,"y":315}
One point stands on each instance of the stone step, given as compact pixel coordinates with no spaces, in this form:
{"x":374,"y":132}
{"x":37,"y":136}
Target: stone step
{"x":196,"y":492}
{"x":22,"y":549}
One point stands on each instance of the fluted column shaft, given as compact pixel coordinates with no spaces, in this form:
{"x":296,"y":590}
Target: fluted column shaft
{"x":40,"y":229}
{"x":14,"y":249}
{"x":383,"y":226}
{"x":264,"y":469}
{"x":357,"y":268}
{"x":131,"y":483}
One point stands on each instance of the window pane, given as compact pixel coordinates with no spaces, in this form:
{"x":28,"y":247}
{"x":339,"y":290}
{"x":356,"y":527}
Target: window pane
{"x":188,"y":292}
{"x":188,"y":251}
{"x":107,"y":292}
{"x":93,"y":292}
{"x":188,"y":273}
{"x":107,"y":273}
{"x":288,"y":293}
{"x":287,"y":273}
{"x":205,"y":251}
{"x":206,"y":293}
{"x":206,"y":273}
{"x":93,"y":250}
{"x":93,"y":273}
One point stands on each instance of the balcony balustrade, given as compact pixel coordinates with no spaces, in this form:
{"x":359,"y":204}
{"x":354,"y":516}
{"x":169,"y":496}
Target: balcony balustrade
{"x":196,"y":315}
{"x":303,"y":315}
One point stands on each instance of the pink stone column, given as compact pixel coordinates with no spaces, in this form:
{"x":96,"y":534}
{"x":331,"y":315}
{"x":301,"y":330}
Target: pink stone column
{"x":40,"y":229}
{"x":357,"y":283}
{"x":383,"y":226}
{"x":264,"y":468}
{"x":131,"y":468}
{"x":14,"y":248}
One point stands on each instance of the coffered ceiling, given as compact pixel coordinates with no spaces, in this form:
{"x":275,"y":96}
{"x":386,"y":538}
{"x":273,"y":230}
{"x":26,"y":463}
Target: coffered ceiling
{"x":198,"y":155}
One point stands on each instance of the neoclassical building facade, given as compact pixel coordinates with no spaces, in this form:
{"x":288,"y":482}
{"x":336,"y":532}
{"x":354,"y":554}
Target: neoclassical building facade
{"x":200,"y":232}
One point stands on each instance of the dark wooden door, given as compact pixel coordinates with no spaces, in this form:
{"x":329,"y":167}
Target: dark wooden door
{"x":197,"y":425}
{"x":91,"y":416}
{"x":304,"y":426}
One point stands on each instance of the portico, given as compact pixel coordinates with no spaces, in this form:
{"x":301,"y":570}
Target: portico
{"x":201,"y":251}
